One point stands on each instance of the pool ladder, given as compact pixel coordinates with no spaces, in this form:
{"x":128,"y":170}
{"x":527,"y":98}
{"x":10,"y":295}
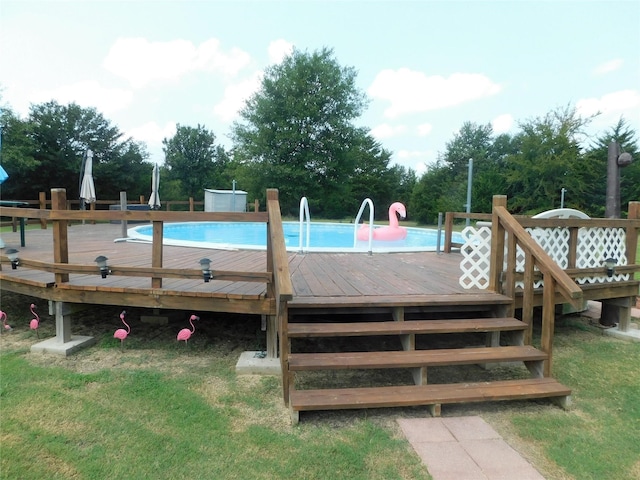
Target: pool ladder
{"x":365,"y":202}
{"x":304,"y":215}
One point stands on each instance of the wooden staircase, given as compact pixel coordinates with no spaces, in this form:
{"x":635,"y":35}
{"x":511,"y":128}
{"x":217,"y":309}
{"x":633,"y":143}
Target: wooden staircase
{"x":428,"y":337}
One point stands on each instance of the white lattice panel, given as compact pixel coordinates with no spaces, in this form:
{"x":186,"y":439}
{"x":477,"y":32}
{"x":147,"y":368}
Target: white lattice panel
{"x":476,"y":254}
{"x":554,"y":241}
{"x":595,"y":245}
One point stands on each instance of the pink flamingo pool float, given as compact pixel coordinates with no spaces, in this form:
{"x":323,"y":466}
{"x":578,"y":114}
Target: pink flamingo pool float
{"x":390,"y":233}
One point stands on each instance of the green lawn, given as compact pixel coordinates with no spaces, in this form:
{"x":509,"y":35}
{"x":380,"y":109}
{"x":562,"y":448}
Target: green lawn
{"x":163,"y":410}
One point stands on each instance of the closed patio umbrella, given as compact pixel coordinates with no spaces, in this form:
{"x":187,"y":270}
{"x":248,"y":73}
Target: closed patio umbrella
{"x":87,"y":188}
{"x":154,"y":199}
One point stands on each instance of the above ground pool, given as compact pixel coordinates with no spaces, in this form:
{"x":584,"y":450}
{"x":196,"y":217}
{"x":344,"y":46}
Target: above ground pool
{"x":323,"y":237}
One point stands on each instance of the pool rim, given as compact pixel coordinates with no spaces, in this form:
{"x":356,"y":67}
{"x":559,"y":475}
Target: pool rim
{"x":134,"y":236}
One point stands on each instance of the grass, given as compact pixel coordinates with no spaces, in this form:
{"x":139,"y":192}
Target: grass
{"x":599,"y":438}
{"x":164,"y":410}
{"x":147,"y":424}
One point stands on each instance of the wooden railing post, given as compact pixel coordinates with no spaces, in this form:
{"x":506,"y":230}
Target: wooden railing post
{"x":632,"y":233}
{"x":123,"y":208}
{"x":156,"y":252}
{"x":42,"y":199}
{"x":548,"y":321}
{"x":497,"y":245}
{"x":60,"y":233}
{"x":191,"y":205}
{"x":280,"y":286}
{"x":448,"y":231}
{"x":527,"y":297}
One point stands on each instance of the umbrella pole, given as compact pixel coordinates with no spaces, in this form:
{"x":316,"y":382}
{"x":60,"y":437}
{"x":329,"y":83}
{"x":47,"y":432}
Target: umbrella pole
{"x":82,"y":167}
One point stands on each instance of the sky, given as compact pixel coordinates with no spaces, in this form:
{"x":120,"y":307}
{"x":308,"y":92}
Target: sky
{"x":426,"y":66}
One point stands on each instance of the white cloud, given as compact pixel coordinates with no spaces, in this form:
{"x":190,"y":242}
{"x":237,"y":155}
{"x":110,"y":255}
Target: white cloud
{"x":87,"y":94}
{"x":235,"y":97}
{"x":387,"y":131}
{"x":502,"y":123}
{"x":418,"y":160}
{"x":623,"y":102}
{"x":140,"y":61}
{"x":152,"y":134}
{"x":410,"y":91}
{"x":608,"y":67}
{"x":278,"y":49}
{"x":424,"y":129}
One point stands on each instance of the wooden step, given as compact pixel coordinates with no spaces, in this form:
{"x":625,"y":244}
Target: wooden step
{"x":413,"y":358}
{"x":411,"y":395}
{"x":380,"y":301}
{"x":471,"y":325}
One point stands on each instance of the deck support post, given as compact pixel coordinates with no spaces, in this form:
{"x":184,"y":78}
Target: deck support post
{"x":617,"y":311}
{"x":64,"y":343}
{"x":272,"y":336}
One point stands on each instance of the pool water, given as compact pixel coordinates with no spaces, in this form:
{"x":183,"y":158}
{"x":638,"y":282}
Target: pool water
{"x":326,"y":237}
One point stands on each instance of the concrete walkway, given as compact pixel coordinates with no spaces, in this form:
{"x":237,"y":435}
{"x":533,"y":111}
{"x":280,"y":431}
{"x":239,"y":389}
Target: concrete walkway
{"x":465,"y":448}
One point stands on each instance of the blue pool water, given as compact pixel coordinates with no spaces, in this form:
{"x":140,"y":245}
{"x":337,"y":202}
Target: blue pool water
{"x":324,"y":237}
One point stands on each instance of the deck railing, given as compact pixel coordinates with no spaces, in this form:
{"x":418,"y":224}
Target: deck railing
{"x":529,"y":267}
{"x":505,"y":228}
{"x":43,"y":203}
{"x":631,"y":226}
{"x":276,"y":277}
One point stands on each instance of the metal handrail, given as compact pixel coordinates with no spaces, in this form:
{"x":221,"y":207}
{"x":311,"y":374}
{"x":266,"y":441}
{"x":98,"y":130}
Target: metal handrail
{"x":365,"y":202}
{"x":304,"y":212}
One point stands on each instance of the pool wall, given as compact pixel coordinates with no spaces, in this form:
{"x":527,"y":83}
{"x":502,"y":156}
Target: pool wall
{"x":324,"y":237}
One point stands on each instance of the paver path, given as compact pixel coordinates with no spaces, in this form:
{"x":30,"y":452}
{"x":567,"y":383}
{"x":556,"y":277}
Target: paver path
{"x":465,"y":448}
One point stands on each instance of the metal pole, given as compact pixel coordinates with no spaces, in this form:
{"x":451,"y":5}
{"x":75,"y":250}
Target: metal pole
{"x":469,"y":182}
{"x":233,"y":196}
{"x":439,"y":232}
{"x":562,"y":197}
{"x":123,"y":208}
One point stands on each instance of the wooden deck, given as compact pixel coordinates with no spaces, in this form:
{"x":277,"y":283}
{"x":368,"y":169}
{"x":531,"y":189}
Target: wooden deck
{"x":330,"y":280}
{"x":410,"y":296}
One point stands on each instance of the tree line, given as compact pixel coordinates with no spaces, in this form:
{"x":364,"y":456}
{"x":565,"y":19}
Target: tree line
{"x":297,"y":133}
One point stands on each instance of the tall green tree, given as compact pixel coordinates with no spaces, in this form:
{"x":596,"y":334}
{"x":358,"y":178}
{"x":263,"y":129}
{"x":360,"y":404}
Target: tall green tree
{"x":297,"y":130}
{"x":548,"y":159}
{"x":57,"y":137}
{"x":193,"y":158}
{"x":16,"y":154}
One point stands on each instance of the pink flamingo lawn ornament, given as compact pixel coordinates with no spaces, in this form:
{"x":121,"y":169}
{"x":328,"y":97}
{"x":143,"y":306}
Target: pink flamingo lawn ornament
{"x":121,"y":333}
{"x":5,"y":327}
{"x":390,"y":233}
{"x":35,"y":322}
{"x":185,"y":333}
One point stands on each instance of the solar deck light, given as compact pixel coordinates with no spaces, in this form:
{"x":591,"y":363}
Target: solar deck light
{"x":205,"y":265}
{"x":102,"y":266}
{"x":12,"y":253}
{"x":610,"y":263}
